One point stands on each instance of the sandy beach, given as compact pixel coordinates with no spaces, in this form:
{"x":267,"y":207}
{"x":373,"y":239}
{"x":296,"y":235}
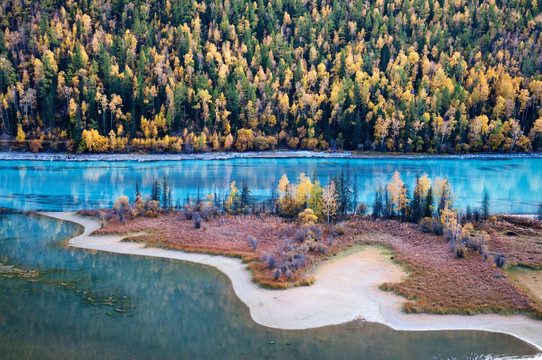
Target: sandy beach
{"x":345,"y":289}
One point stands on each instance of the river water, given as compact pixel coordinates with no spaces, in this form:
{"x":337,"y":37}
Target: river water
{"x":514,"y":184}
{"x":93,"y":305}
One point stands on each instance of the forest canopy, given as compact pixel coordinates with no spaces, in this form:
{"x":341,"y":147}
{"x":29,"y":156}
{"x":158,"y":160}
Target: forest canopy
{"x":181,"y":76}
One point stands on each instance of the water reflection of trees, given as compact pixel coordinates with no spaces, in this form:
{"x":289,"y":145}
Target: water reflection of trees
{"x":70,"y":186}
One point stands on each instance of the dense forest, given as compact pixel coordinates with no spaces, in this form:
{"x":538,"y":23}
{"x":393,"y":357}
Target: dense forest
{"x":184,"y":76}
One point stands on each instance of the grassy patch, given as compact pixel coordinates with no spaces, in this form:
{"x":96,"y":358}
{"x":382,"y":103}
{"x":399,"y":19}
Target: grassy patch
{"x":438,"y":281}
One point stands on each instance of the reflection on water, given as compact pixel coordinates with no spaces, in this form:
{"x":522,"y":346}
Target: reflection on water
{"x":93,"y":305}
{"x":514,"y":185}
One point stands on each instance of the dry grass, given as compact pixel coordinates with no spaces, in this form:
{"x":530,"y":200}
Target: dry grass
{"x":226,"y":235}
{"x":520,"y":239}
{"x":439,"y":282}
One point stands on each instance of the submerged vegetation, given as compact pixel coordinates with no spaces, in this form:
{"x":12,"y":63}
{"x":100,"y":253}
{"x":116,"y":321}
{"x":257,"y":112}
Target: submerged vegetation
{"x":282,"y":237}
{"x":187,"y":76}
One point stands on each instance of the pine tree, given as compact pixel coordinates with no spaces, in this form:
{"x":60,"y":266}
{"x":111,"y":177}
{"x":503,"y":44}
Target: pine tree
{"x":428,"y":204}
{"x":155,"y":192}
{"x":273,"y":197}
{"x":137,"y":191}
{"x":416,"y":203}
{"x":378,"y":205}
{"x":388,"y":205}
{"x":246,"y":196}
{"x":347,"y":190}
{"x":165,"y":192}
{"x":355,"y":192}
{"x":485,"y":205}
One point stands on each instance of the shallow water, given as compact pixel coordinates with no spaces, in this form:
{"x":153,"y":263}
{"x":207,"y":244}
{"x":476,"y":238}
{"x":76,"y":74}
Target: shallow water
{"x":94,"y":305}
{"x":514,"y":184}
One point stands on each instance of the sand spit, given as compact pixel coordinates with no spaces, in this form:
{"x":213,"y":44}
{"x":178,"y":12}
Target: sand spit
{"x":345,"y":289}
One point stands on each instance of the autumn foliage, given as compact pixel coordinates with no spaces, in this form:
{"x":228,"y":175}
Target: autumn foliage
{"x":187,"y":76}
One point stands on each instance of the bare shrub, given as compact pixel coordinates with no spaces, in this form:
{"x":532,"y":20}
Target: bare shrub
{"x":104,"y":217}
{"x":197,"y":220}
{"x":121,"y":207}
{"x":362,"y":209}
{"x":188,"y":211}
{"x":300,"y":235}
{"x":269,"y":259}
{"x":459,"y":249}
{"x":499,"y":260}
{"x":477,"y":242}
{"x":253,"y":242}
{"x":208,"y":211}
{"x":430,"y":225}
{"x":338,"y":229}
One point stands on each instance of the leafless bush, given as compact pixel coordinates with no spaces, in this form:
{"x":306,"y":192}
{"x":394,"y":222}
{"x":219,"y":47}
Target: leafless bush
{"x":253,"y":242}
{"x":197,"y":220}
{"x":431,"y":225}
{"x":499,"y":260}
{"x":338,"y":229}
{"x":188,"y":211}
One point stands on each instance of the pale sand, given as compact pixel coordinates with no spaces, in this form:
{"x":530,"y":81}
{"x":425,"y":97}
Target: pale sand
{"x":345,"y":289}
{"x":532,"y":281}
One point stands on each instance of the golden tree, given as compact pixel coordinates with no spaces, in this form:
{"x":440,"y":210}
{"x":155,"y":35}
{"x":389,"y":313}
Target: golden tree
{"x":329,"y":201}
{"x":397,"y":190}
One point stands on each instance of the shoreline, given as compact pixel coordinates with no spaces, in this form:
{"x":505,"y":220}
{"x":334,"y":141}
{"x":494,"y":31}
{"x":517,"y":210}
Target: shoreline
{"x":298,"y":154}
{"x":332,"y":300}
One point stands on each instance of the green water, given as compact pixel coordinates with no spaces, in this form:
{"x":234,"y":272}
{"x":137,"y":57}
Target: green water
{"x":93,"y":305}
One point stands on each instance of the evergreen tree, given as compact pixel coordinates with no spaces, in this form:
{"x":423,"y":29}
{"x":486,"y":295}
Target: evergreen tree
{"x":389,"y":212}
{"x":246,"y":195}
{"x":165,"y":193}
{"x":444,"y":198}
{"x":428,"y":204}
{"x":416,"y":203}
{"x":137,"y":191}
{"x":198,"y":199}
{"x":378,"y":202}
{"x":155,"y":191}
{"x":485,"y":206}
{"x":101,"y":82}
{"x":355,"y":192}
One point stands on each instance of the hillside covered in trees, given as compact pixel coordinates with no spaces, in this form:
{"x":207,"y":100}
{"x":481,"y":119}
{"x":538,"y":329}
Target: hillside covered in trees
{"x":181,"y":76}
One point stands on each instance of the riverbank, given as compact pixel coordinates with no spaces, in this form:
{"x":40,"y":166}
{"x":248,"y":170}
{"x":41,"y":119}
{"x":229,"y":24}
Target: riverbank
{"x":346,"y":289}
{"x":248,"y":155}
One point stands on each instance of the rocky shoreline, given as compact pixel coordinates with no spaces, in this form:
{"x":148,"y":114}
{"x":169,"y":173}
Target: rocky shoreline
{"x":24,"y":156}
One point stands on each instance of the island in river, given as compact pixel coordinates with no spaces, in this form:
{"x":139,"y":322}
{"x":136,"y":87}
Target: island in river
{"x":349,"y":278}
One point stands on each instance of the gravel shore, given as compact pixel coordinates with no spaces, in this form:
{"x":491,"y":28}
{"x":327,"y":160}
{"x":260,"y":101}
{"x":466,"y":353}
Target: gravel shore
{"x":247,"y":155}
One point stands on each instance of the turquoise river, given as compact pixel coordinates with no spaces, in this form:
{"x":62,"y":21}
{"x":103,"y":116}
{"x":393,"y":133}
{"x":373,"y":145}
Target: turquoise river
{"x":63,"y":303}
